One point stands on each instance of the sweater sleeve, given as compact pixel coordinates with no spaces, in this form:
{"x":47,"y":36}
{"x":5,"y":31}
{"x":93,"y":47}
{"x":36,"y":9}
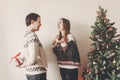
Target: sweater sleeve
{"x":70,"y":37}
{"x":72,"y":51}
{"x":32,"y":53}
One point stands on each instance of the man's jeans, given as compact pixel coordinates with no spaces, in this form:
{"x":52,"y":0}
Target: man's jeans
{"x":36,"y":77}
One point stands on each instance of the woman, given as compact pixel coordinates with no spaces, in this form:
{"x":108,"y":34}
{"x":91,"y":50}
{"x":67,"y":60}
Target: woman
{"x":66,"y":51}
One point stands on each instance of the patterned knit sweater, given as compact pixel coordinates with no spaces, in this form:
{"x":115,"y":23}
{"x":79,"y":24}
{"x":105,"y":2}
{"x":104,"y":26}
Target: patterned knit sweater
{"x":33,"y":54}
{"x":67,"y":53}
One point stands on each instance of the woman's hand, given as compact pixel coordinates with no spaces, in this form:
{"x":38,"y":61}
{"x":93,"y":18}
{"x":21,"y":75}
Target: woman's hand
{"x":55,"y":41}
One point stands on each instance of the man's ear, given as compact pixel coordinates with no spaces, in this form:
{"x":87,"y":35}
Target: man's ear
{"x":32,"y":21}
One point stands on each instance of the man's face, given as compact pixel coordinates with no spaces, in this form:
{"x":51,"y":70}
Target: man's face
{"x":37,"y":24}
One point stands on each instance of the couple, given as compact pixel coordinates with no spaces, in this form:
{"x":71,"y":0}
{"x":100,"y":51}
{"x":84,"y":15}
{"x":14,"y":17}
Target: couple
{"x":64,"y":47}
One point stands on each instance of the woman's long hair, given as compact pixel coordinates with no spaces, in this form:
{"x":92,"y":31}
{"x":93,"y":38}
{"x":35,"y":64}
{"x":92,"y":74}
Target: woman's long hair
{"x":66,"y":26}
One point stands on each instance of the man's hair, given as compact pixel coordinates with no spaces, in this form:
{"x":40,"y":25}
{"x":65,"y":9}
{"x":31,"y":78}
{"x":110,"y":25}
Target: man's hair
{"x":31,"y":16}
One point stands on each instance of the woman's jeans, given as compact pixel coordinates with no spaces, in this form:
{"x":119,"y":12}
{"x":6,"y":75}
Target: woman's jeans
{"x":69,"y":74}
{"x":36,"y":77}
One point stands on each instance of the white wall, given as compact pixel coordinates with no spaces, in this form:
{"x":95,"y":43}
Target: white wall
{"x":81,"y":13}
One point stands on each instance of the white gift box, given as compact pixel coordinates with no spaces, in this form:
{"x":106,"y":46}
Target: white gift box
{"x":17,"y":60}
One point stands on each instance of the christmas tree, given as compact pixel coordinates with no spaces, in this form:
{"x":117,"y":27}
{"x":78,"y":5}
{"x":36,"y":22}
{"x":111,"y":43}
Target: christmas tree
{"x":104,"y":55}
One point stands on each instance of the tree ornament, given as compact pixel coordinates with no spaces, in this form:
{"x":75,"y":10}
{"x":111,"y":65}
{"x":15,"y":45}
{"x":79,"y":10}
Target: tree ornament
{"x":96,"y":71}
{"x":110,"y":29}
{"x":104,"y":67}
{"x":114,"y":62}
{"x":88,"y":70}
{"x":118,"y":68}
{"x":116,"y":46}
{"x":92,"y":49}
{"x":105,"y":18}
{"x":107,"y":46}
{"x":94,"y":62}
{"x":107,"y":37}
{"x":98,"y":48}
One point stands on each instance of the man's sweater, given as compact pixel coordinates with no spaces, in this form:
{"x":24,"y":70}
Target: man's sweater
{"x":34,"y":54}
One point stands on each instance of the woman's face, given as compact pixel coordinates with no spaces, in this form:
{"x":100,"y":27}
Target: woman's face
{"x":60,"y":25}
